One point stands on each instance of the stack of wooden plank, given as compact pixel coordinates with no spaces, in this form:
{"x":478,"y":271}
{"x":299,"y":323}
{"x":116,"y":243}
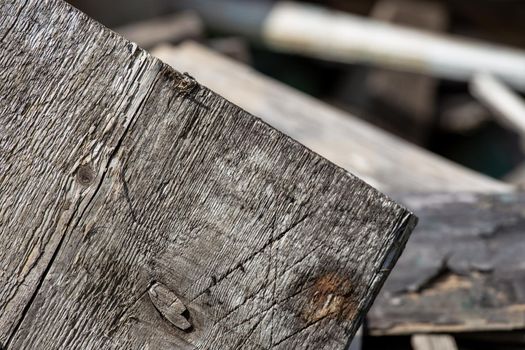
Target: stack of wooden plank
{"x":179,"y":199}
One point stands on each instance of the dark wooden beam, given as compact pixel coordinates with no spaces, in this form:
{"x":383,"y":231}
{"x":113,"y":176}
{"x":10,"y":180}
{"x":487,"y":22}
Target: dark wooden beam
{"x":462,"y":270}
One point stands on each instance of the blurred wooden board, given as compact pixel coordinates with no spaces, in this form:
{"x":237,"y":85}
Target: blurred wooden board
{"x":380,"y":159}
{"x":462,"y":270}
{"x":139,"y":209}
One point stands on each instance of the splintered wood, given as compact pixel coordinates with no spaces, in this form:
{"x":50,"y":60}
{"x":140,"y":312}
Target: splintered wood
{"x":138,"y":209}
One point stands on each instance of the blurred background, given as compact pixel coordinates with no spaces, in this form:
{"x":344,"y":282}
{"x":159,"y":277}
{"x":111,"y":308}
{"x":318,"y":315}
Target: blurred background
{"x":444,"y":76}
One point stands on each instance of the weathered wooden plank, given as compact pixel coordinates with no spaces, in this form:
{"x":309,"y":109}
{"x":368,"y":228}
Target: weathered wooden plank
{"x":53,"y":146}
{"x":462,"y":270}
{"x":381,"y":159}
{"x":139,"y":209}
{"x":213,"y":69}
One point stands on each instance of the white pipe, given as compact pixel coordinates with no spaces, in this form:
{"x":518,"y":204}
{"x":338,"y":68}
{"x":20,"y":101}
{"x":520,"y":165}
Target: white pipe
{"x":500,"y":99}
{"x":339,"y":36}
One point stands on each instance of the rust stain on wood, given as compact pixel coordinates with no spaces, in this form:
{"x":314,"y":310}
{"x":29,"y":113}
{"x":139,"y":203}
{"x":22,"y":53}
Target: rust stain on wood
{"x":331,"y":297}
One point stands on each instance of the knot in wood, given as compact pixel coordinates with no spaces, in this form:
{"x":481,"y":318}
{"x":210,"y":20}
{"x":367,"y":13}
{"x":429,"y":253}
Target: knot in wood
{"x":169,"y":306}
{"x":85,"y":175}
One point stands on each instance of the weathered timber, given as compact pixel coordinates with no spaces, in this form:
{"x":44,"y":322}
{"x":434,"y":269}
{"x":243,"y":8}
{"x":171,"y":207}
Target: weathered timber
{"x":381,"y":159}
{"x":433,"y":342}
{"x":138,"y":209}
{"x":462,"y":270}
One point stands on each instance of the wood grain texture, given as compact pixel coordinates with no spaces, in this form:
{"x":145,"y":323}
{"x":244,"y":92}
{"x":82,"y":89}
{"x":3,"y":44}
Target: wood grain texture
{"x":462,"y":270}
{"x":120,"y":174}
{"x":381,"y":159}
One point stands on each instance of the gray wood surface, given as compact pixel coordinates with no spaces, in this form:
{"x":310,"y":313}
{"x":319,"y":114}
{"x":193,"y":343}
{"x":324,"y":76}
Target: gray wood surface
{"x":138,"y":209}
{"x":462,"y":270}
{"x":379,"y":158}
